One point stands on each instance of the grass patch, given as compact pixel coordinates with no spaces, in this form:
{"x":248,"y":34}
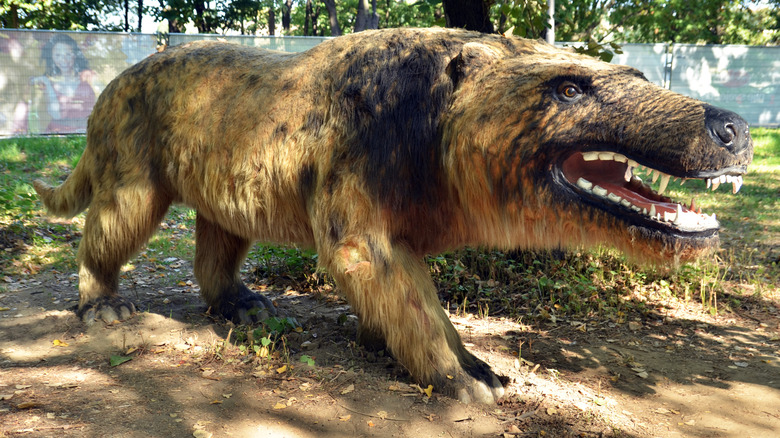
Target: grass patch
{"x":544,"y":285}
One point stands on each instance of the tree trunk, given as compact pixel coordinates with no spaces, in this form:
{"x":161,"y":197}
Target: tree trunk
{"x":14,"y":13}
{"x":127,"y":15}
{"x":201,"y":20}
{"x":140,"y":13}
{"x":271,"y":21}
{"x":335,"y":29}
{"x":307,"y":18}
{"x":468,"y":14}
{"x":364,"y":20}
{"x":286,"y":10}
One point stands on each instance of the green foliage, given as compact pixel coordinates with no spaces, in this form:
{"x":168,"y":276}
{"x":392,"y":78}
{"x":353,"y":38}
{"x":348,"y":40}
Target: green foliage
{"x":62,"y":15}
{"x":525,"y":18}
{"x":693,"y":21}
{"x":267,"y":340}
{"x":593,"y":22}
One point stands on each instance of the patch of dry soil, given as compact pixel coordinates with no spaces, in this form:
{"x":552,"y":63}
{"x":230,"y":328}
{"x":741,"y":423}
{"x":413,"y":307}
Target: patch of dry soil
{"x":678,"y":373}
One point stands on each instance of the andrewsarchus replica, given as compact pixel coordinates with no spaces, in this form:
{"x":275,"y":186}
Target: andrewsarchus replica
{"x":378,"y":148}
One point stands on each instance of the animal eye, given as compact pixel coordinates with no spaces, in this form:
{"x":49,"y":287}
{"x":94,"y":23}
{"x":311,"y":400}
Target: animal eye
{"x":569,"y":91}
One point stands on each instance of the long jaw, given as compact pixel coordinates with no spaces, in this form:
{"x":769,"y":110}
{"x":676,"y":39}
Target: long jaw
{"x":607,"y":180}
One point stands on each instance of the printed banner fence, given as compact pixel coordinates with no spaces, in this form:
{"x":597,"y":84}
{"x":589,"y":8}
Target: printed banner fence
{"x":49,"y":80}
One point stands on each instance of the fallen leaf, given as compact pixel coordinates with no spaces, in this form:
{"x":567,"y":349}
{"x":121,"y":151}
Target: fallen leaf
{"x":26,"y":405}
{"x":6,"y":396}
{"x":552,"y":411}
{"x":345,"y":417}
{"x":281,"y":369}
{"x":429,"y":390}
{"x":634,"y":326}
{"x":382,"y":414}
{"x":216,"y":402}
{"x":227,"y":395}
{"x":348,"y":389}
{"x":741,"y":364}
{"x":371,"y":423}
{"x":643,"y":374}
{"x":22,"y":386}
{"x":200,"y":433}
{"x":280,"y":405}
{"x":116,"y":360}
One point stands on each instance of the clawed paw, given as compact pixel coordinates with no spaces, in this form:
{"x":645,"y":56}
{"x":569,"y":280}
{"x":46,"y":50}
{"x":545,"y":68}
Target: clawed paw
{"x":467,"y":389}
{"x":108,"y":309}
{"x":474,"y":384}
{"x":248,"y":308}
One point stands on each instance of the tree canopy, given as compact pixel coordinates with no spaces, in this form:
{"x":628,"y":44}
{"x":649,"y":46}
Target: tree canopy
{"x":623,"y":21}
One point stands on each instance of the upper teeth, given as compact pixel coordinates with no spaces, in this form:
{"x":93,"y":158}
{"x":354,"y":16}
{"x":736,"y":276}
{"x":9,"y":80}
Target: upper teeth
{"x":736,"y":181}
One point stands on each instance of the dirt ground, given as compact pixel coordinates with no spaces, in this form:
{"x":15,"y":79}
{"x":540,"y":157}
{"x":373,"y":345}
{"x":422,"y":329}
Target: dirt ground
{"x":677,"y":372}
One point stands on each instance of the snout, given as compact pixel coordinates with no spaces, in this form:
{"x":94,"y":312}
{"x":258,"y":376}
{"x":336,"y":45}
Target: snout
{"x":727,"y":128}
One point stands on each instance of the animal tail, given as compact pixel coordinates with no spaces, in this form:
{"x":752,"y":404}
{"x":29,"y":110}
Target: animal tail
{"x":71,"y":197}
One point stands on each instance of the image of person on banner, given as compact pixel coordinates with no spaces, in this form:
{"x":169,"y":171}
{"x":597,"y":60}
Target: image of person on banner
{"x":63,"y":97}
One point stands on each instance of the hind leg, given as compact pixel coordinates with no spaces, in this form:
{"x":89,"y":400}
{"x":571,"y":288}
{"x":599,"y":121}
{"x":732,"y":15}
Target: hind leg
{"x":116,"y":227}
{"x":218,"y":258}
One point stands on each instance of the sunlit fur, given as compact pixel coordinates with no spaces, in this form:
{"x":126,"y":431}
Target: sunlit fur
{"x":375,"y":149}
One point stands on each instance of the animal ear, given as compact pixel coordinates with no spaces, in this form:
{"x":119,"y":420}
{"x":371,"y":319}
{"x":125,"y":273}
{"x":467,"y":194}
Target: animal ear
{"x":472,"y":57}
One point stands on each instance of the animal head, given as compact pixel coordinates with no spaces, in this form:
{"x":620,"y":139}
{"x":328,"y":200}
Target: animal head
{"x":557,"y":139}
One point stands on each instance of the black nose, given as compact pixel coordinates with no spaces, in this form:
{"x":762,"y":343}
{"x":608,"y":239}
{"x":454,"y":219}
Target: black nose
{"x":727,"y":128}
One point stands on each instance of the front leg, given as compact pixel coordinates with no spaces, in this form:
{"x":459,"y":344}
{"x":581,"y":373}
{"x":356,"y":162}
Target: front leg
{"x":394,"y":297}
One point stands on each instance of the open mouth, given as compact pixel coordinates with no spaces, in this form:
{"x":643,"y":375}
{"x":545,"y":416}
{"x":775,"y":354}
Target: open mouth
{"x":609,"y":180}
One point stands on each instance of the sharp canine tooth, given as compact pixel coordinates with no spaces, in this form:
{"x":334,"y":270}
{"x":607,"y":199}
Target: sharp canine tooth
{"x":584,"y":184}
{"x":629,"y":173}
{"x":709,"y":183}
{"x":600,"y":191}
{"x":715,"y":184}
{"x":590,"y":156}
{"x":736,"y":184}
{"x":679,"y":218}
{"x":664,"y":183}
{"x":655,"y":174}
{"x":652,"y":210}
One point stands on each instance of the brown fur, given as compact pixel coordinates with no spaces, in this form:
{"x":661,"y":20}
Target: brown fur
{"x":375,"y":149}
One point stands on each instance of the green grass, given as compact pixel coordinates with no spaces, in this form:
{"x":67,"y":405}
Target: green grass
{"x":545,"y":285}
